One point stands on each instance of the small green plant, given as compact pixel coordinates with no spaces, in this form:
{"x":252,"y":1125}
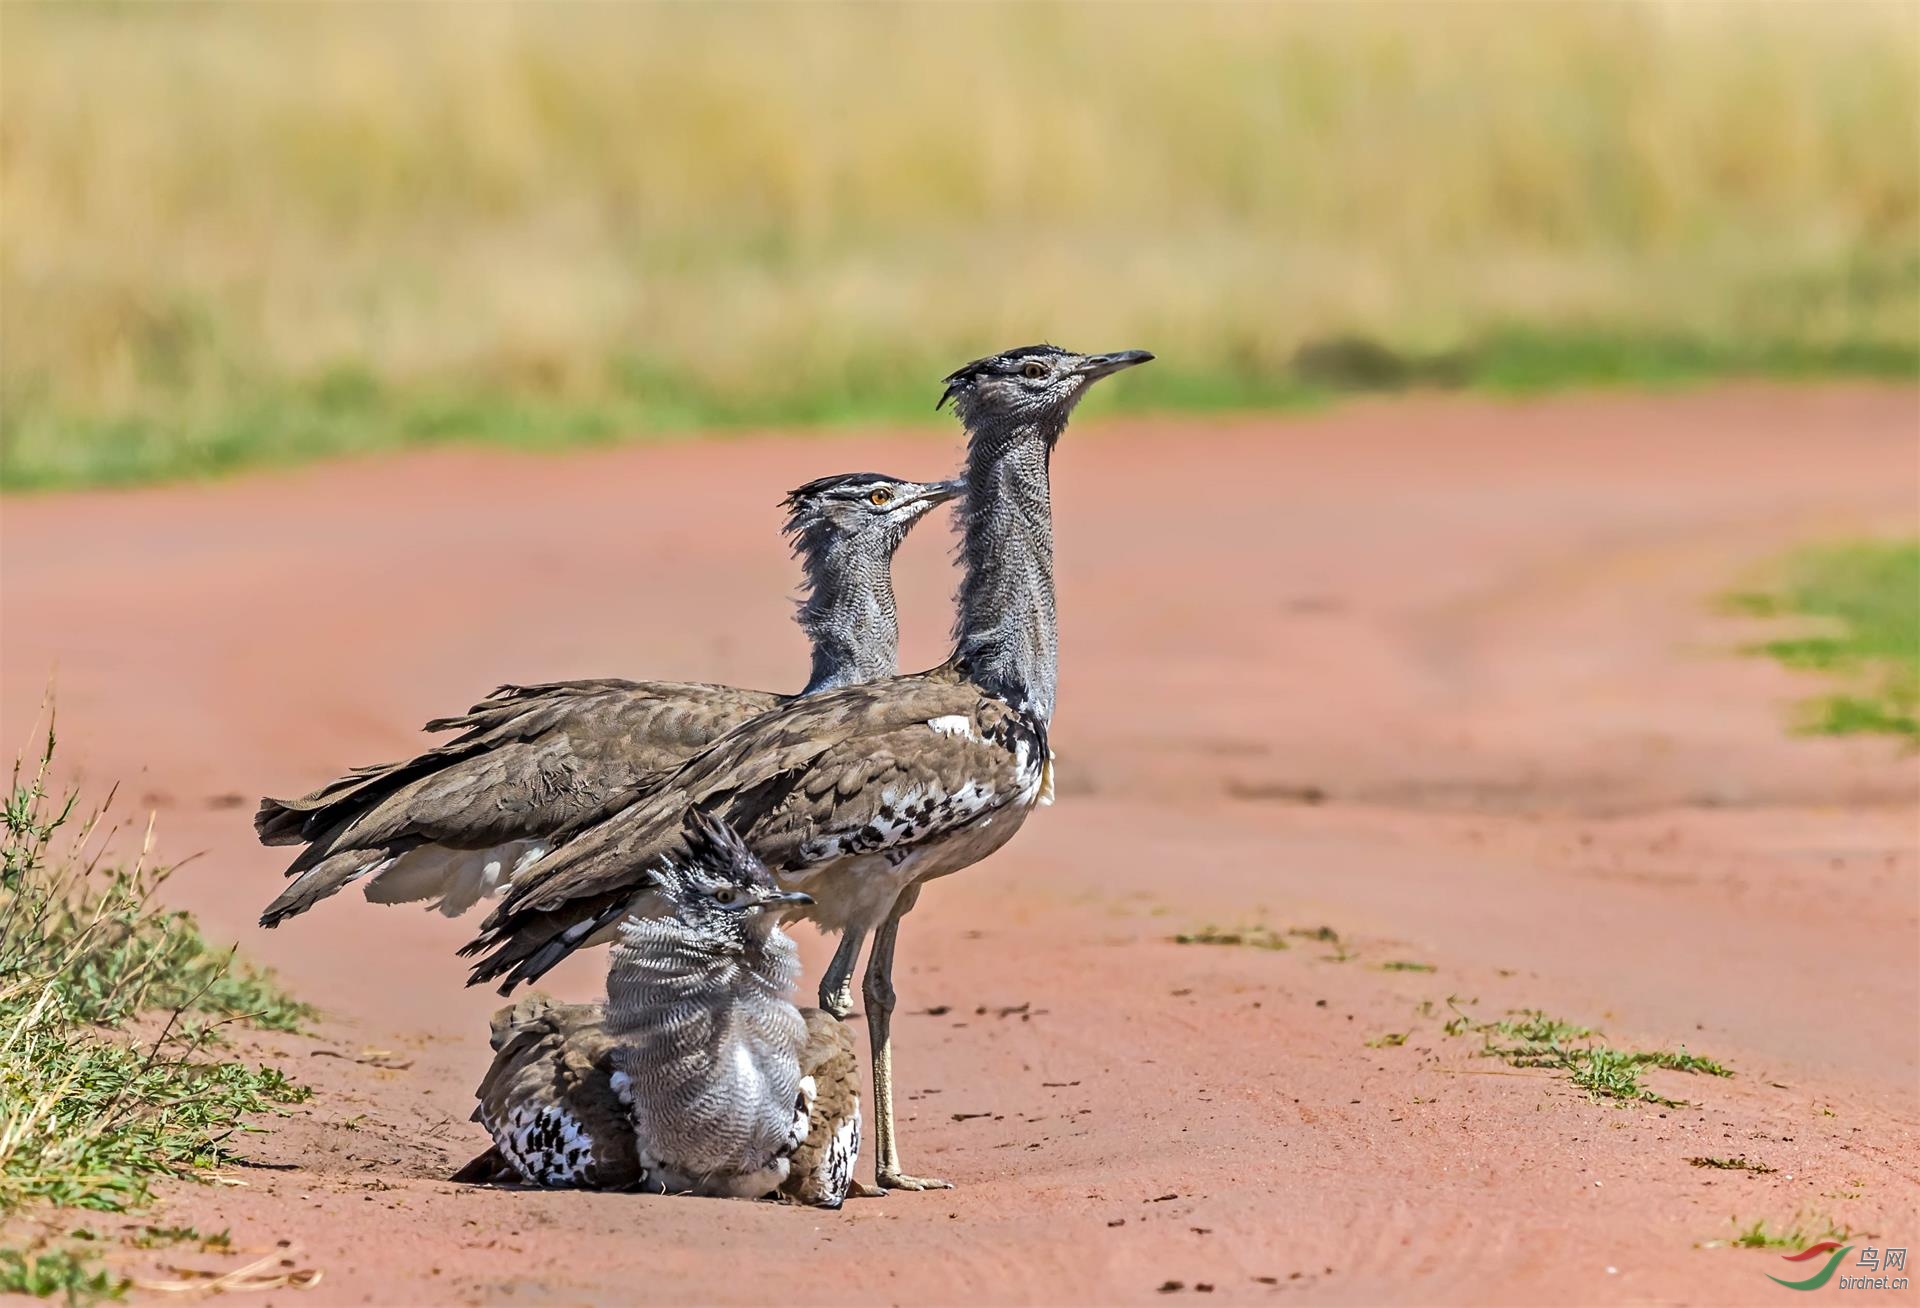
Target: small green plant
{"x":1400,"y":965}
{"x":1529,"y":1037}
{"x":1391,"y":1040}
{"x":1609,"y":1074}
{"x":1259,"y":937}
{"x":1804,"y":1231}
{"x":164,"y":1237}
{"x":1864,"y":599}
{"x":1679,"y":1060}
{"x":94,"y":1117}
{"x":78,"y":1278}
{"x":1741,"y":1164}
{"x":1461,"y":1021}
{"x":1532,"y":1027}
{"x":1324,"y":934}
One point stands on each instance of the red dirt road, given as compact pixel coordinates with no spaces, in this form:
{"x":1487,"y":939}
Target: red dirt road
{"x":1442,"y":675}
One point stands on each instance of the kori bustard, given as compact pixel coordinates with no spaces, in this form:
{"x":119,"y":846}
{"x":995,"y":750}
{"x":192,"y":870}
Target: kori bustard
{"x":860,"y":796}
{"x":698,"y":1073}
{"x":448,"y":827}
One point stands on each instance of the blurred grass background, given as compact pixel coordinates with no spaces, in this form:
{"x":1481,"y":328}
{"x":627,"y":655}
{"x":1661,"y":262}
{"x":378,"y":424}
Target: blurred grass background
{"x":236,"y":232}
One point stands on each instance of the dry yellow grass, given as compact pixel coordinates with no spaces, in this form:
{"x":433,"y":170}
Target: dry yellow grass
{"x":670,"y":213}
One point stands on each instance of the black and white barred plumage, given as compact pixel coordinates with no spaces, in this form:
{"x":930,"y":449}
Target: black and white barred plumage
{"x":699,"y":1074}
{"x":699,"y":1006}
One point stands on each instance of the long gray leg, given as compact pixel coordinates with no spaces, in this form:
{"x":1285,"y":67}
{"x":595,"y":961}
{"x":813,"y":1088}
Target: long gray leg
{"x":878,"y":988}
{"x":836,"y":983}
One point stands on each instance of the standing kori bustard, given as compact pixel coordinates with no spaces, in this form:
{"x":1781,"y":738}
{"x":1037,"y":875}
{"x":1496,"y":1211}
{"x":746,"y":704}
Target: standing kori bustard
{"x":860,"y":796}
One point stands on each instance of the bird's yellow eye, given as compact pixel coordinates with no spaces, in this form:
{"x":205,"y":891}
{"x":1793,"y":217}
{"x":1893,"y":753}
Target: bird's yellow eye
{"x":726,"y":894}
{"x":880,"y":497}
{"x":1033,"y":371}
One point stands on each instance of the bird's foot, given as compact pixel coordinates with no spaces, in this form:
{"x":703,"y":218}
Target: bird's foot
{"x":861,"y":1190}
{"x":896,"y":1180}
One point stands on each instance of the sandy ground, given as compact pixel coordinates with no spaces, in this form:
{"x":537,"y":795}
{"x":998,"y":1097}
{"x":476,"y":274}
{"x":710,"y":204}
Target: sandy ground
{"x":1442,"y":675}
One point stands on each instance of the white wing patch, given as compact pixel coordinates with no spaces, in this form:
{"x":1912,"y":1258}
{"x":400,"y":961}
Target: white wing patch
{"x":802,"y":1112}
{"x":451,"y":880}
{"x":842,"y":1155}
{"x":954,"y":724}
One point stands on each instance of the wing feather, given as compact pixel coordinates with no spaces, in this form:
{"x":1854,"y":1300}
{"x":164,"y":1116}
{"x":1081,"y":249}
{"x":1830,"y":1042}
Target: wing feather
{"x":530,"y":761}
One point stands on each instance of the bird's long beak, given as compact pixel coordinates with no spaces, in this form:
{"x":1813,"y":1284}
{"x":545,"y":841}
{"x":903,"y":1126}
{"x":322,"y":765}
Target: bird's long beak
{"x":939,"y":492}
{"x":1096,"y":366}
{"x":786,"y":897}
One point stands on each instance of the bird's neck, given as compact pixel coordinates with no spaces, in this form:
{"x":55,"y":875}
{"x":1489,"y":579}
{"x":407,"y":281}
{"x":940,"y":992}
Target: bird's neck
{"x":1005,"y":634}
{"x":658,"y":964}
{"x":848,"y":614}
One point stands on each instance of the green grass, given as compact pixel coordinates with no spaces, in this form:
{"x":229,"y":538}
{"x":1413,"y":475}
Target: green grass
{"x":279,"y":421}
{"x":112,"y":1021}
{"x":1258,"y":937}
{"x":1530,"y":1026}
{"x":74,"y":1275}
{"x":1532,"y":1038}
{"x":1803,"y":1231}
{"x":1860,"y":605}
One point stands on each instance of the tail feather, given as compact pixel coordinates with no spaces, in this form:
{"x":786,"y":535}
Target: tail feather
{"x":277,"y":822}
{"x":489,"y":1168}
{"x":323,"y":880}
{"x":536,"y":947}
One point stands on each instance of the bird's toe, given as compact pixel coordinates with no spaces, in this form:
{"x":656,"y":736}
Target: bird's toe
{"x":901,"y":1181}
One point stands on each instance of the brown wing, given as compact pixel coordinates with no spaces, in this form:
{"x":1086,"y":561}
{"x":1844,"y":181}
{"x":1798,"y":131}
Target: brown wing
{"x":812,"y":781}
{"x":548,"y":1098}
{"x":529,"y":762}
{"x":893,"y":792}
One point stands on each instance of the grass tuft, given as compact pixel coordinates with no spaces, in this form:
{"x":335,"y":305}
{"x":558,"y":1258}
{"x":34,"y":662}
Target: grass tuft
{"x":1740,"y":1164}
{"x":1863,"y":603}
{"x":1803,"y":1231}
{"x":94,"y":1113}
{"x":1532,"y":1038}
{"x":1324,"y":934}
{"x":76,"y":1276}
{"x":1532,"y":1027}
{"x":1258,"y":937}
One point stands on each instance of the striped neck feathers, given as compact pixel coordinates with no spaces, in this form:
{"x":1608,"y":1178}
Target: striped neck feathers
{"x":848,"y":612}
{"x":1006,"y":633}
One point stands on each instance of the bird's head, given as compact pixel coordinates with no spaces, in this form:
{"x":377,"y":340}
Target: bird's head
{"x":861,"y":508}
{"x":1033,"y":384}
{"x":721,"y":892}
